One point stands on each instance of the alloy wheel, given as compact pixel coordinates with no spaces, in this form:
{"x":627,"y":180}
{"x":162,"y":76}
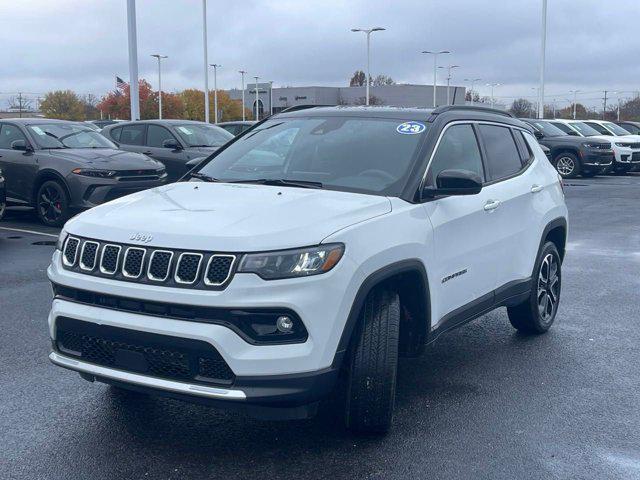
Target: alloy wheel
{"x":548,"y":288}
{"x":565,"y":166}
{"x":50,"y":203}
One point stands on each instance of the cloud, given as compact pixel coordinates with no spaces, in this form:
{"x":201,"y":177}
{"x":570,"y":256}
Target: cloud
{"x":81,"y":45}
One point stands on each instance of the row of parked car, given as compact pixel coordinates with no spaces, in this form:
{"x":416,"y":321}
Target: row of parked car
{"x":59,"y":166}
{"x":589,"y":147}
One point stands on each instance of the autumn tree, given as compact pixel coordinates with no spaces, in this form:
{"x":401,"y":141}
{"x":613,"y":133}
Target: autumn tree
{"x":116,"y":104}
{"x":228,"y":109}
{"x":63,"y":104}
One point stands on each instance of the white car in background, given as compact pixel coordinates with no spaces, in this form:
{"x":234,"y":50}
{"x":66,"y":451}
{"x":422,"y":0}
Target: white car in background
{"x":623,"y":161}
{"x":626,"y":138}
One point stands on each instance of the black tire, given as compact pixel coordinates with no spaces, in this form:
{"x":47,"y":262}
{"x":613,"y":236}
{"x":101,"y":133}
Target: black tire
{"x":371,"y":385}
{"x":567,"y":165}
{"x":52,"y":204}
{"x":537,"y":314}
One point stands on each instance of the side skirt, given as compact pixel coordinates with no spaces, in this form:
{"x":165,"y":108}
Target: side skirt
{"x":508,"y":295}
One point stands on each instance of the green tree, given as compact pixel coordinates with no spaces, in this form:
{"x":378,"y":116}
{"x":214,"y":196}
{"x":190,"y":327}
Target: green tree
{"x":63,"y":104}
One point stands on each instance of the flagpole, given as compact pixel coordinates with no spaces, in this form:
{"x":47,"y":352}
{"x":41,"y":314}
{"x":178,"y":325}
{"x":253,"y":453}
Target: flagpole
{"x":133,"y":60}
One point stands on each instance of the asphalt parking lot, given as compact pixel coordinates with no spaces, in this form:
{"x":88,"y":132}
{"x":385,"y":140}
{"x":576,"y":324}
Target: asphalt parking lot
{"x":484,"y":402}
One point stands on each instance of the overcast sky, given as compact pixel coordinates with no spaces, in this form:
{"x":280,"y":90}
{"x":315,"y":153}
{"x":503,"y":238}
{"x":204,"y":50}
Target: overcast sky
{"x":592,"y":45}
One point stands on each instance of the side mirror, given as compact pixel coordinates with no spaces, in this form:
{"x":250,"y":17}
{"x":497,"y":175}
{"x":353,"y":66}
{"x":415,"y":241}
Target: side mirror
{"x":538,"y":134}
{"x":20,"y":145}
{"x":573,"y":134}
{"x":171,"y":143}
{"x":455,"y":182}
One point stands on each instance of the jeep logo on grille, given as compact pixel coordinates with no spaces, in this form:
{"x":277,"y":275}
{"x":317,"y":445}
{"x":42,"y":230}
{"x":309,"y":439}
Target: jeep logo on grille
{"x":141,"y":237}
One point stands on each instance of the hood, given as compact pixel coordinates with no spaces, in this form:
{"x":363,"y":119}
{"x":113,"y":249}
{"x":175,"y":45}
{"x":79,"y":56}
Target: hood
{"x":627,"y":138}
{"x":106,"y":158}
{"x":228,"y":217}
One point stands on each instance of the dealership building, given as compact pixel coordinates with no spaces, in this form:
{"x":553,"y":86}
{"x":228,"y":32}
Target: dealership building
{"x":405,"y":95}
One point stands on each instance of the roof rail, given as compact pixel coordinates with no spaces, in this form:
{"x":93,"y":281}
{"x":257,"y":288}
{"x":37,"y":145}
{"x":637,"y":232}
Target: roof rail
{"x":295,"y":108}
{"x":472,"y":108}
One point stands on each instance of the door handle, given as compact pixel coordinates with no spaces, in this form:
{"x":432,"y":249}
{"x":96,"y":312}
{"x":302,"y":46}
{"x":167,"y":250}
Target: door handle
{"x":536,"y":188}
{"x":491,"y":205}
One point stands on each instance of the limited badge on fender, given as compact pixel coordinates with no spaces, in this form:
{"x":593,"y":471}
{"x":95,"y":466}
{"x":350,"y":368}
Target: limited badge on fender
{"x":411,"y":128}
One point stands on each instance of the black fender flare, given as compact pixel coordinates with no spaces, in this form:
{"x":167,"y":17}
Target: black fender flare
{"x":374,"y":279}
{"x":555,"y":223}
{"x":48,"y":172}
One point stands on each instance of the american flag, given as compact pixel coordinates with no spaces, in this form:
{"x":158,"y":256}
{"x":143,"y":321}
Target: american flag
{"x":120,"y":84}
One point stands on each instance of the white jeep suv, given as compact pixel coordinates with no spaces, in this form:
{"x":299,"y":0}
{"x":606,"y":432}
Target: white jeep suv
{"x":320,"y":244}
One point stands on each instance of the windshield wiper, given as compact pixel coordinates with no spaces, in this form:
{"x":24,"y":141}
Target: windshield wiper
{"x":203,"y":177}
{"x":281,"y":182}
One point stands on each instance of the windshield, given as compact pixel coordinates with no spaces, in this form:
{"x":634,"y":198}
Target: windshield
{"x":618,"y":130}
{"x":195,"y":135}
{"x":68,"y":135}
{"x":584,"y":129}
{"x":368,"y":155}
{"x":548,"y":129}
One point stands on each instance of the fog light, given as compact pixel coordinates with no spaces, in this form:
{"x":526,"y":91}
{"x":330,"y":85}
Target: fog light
{"x":284,"y":324}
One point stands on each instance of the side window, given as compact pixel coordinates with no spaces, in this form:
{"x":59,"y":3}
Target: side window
{"x":132,"y":134}
{"x":8,"y":134}
{"x":503,"y":158}
{"x":525,"y":154}
{"x":156,"y":135}
{"x":599,"y":128}
{"x":115,"y":133}
{"x":458,"y":149}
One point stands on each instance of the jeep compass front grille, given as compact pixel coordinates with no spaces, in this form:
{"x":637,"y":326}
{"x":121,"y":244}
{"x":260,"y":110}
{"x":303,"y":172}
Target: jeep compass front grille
{"x":175,"y":268}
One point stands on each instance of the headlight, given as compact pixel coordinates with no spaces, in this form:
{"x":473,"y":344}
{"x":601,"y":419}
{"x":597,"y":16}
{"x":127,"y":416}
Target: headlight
{"x":92,"y":172}
{"x":623,"y":144}
{"x":595,"y":145}
{"x":292,"y":263}
{"x":61,"y":239}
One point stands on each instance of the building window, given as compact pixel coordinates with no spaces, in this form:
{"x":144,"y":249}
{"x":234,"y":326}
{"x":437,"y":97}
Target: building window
{"x":301,"y":97}
{"x":260,"y":109}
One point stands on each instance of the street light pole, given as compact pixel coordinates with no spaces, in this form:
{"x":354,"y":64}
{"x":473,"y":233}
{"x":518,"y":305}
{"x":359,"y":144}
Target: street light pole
{"x":215,"y":90}
{"x":368,"y":32}
{"x":257,"y":109}
{"x":492,"y":85}
{"x":159,"y":57}
{"x":242,"y":72}
{"x":435,"y":68}
{"x":271,"y":98}
{"x":473,"y":82}
{"x":206,"y":62}
{"x":133,"y":60}
{"x":543,"y":46}
{"x":448,"y":68}
{"x":574,"y":102}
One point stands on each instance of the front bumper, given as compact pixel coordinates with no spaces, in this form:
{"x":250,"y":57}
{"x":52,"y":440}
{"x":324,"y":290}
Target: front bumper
{"x":87,"y":192}
{"x":598,"y":159}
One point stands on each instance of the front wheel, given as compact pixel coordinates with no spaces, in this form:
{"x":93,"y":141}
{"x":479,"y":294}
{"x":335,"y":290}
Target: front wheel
{"x":567,"y":165}
{"x":371,"y":387}
{"x":537,"y":313}
{"x":52,"y":204}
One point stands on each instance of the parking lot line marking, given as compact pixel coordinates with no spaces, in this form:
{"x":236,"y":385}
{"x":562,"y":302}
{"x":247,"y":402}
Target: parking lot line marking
{"x":28,"y":231}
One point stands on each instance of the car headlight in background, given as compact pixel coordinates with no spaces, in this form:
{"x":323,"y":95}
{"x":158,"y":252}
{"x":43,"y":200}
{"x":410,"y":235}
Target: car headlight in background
{"x":300,"y":262}
{"x":595,"y":145}
{"x":61,"y":239}
{"x":623,"y":144}
{"x":92,"y":172}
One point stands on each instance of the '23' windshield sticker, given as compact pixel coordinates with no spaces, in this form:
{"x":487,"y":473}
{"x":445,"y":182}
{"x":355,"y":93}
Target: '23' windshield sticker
{"x":410,"y":128}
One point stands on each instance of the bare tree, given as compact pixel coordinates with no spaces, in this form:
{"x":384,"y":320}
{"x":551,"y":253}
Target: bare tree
{"x":522,"y":107}
{"x":383,"y":80}
{"x":358,"y":79}
{"x":20,"y":103}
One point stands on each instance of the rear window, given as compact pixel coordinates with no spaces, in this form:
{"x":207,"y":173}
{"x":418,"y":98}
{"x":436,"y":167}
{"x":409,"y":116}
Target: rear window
{"x":132,"y":134}
{"x":115,"y":133}
{"x":503,"y":158}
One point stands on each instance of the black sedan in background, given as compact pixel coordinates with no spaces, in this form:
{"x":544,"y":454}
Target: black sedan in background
{"x":172,"y":142}
{"x":3,"y":197}
{"x":57,"y":166}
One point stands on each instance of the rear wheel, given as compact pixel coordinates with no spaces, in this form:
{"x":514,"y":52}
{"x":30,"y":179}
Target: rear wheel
{"x":537,"y":313}
{"x":567,"y":165}
{"x":52,"y":203}
{"x":371,"y":386}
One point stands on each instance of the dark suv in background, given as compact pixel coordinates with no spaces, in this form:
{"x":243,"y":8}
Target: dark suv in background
{"x":172,"y":142}
{"x":573,"y":156}
{"x":57,"y":166}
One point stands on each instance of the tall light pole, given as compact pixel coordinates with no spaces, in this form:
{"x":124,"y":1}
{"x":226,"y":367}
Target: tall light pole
{"x":242,"y":72}
{"x":435,"y":68}
{"x":159,"y":57}
{"x":537,"y":96}
{"x":271,"y":98}
{"x":215,"y":90}
{"x":368,"y":32}
{"x":492,"y":85}
{"x":473,"y":83}
{"x":257,"y":109}
{"x":133,"y":60}
{"x":543,"y":46}
{"x":574,"y":102}
{"x":206,"y":62}
{"x":448,"y":68}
